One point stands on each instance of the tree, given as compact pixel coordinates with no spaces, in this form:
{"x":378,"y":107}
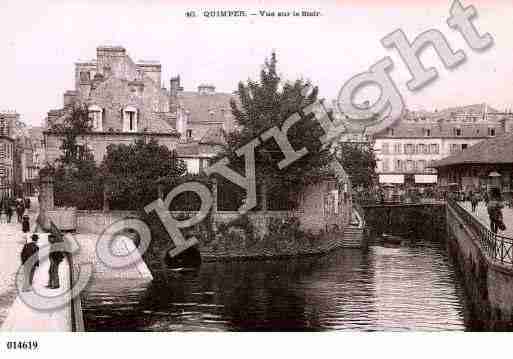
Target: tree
{"x":74,"y":124}
{"x":133,"y":172}
{"x":267,"y":103}
{"x":77,"y":182}
{"x":359,"y":161}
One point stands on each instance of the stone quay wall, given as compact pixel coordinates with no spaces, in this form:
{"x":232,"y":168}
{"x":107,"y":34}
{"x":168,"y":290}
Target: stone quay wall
{"x":419,"y":220}
{"x":488,"y":282}
{"x":95,"y":222}
{"x":223,"y":236}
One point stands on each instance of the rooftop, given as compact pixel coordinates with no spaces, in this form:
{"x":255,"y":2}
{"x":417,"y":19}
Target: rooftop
{"x":497,"y":150}
{"x":440,"y":130}
{"x":203,"y":108}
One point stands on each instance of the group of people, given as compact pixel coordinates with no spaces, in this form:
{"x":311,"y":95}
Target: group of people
{"x":30,"y":262}
{"x":30,"y":251}
{"x":8,"y":206}
{"x":494,"y":207}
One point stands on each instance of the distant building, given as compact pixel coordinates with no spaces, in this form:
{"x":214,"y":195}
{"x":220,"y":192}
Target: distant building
{"x":486,"y":164}
{"x":198,"y":154}
{"x":201,"y":111}
{"x":407,"y":150}
{"x":7,"y":147}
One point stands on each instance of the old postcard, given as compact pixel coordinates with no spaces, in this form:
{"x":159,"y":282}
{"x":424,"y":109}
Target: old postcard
{"x":255,"y":166}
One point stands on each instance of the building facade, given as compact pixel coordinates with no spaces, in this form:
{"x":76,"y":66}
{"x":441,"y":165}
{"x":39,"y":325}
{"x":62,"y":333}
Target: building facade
{"x":486,"y":164}
{"x":7,"y":149}
{"x":407,"y":150}
{"x":126,"y":101}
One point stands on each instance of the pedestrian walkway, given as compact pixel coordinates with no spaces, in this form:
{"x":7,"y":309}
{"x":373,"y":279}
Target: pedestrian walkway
{"x":11,"y":243}
{"x":482,"y":215}
{"x":20,"y":316}
{"x":122,"y":246}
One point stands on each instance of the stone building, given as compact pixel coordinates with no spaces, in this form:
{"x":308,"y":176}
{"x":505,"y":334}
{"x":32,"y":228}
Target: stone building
{"x":35,"y":159}
{"x":7,"y":146}
{"x":486,"y":164}
{"x":407,"y":150}
{"x":126,"y":101}
{"x":203,"y":116}
{"x":202,"y":111}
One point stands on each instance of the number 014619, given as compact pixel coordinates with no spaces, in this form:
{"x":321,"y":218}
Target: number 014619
{"x":22,"y":345}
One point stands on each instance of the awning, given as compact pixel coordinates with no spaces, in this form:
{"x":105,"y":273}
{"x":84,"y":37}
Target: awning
{"x":426,"y":178}
{"x":391,"y":178}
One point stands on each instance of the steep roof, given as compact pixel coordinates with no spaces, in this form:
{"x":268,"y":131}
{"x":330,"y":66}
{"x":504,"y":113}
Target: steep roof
{"x":441,"y":130}
{"x":476,"y":110}
{"x":188,"y":149}
{"x":214,"y":136}
{"x":493,"y":150}
{"x":206,"y":107}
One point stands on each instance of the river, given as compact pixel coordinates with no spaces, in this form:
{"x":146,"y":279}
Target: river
{"x":382,"y":289}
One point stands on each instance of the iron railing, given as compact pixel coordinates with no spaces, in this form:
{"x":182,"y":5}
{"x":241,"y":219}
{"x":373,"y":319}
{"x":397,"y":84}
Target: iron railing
{"x":496,"y":247}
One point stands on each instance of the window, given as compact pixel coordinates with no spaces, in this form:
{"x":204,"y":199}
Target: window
{"x":455,"y":148}
{"x":385,"y":165}
{"x":4,"y":128}
{"x":130,"y":119}
{"x":85,"y":76}
{"x":390,"y":131}
{"x":464,"y":146}
{"x":434,"y":148}
{"x":427,"y":132}
{"x":421,"y":148}
{"x":409,"y":165}
{"x":408,"y":149}
{"x":188,"y":134}
{"x":456,"y":131}
{"x":398,"y":165}
{"x":397,"y":148}
{"x":96,"y":117}
{"x":384,"y":149}
{"x":421,"y":166}
{"x":491,"y":131}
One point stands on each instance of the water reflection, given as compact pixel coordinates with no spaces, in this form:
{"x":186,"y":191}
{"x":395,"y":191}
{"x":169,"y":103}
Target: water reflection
{"x":407,"y":288}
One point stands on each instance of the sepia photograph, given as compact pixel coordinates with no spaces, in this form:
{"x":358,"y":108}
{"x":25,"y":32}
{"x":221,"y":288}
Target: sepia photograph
{"x":255,"y":166}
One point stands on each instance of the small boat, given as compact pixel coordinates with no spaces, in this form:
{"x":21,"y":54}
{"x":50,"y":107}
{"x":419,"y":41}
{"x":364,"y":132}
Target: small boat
{"x":390,"y":240}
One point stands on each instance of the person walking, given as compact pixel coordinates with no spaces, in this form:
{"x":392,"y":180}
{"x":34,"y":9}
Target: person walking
{"x":56,"y":257}
{"x":25,"y":225}
{"x":486,"y":198}
{"x":8,"y":212}
{"x":19,"y":209}
{"x":473,"y":200}
{"x":29,"y":260}
{"x":495,"y":207}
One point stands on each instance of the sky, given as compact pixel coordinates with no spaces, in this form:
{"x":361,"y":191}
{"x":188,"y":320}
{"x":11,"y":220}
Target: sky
{"x":42,"y":40}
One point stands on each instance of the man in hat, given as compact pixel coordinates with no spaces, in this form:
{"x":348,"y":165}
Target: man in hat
{"x":29,"y":260}
{"x":56,"y":257}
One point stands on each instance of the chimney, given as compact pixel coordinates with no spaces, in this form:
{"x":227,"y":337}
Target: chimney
{"x":69,"y":98}
{"x":174,"y":88}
